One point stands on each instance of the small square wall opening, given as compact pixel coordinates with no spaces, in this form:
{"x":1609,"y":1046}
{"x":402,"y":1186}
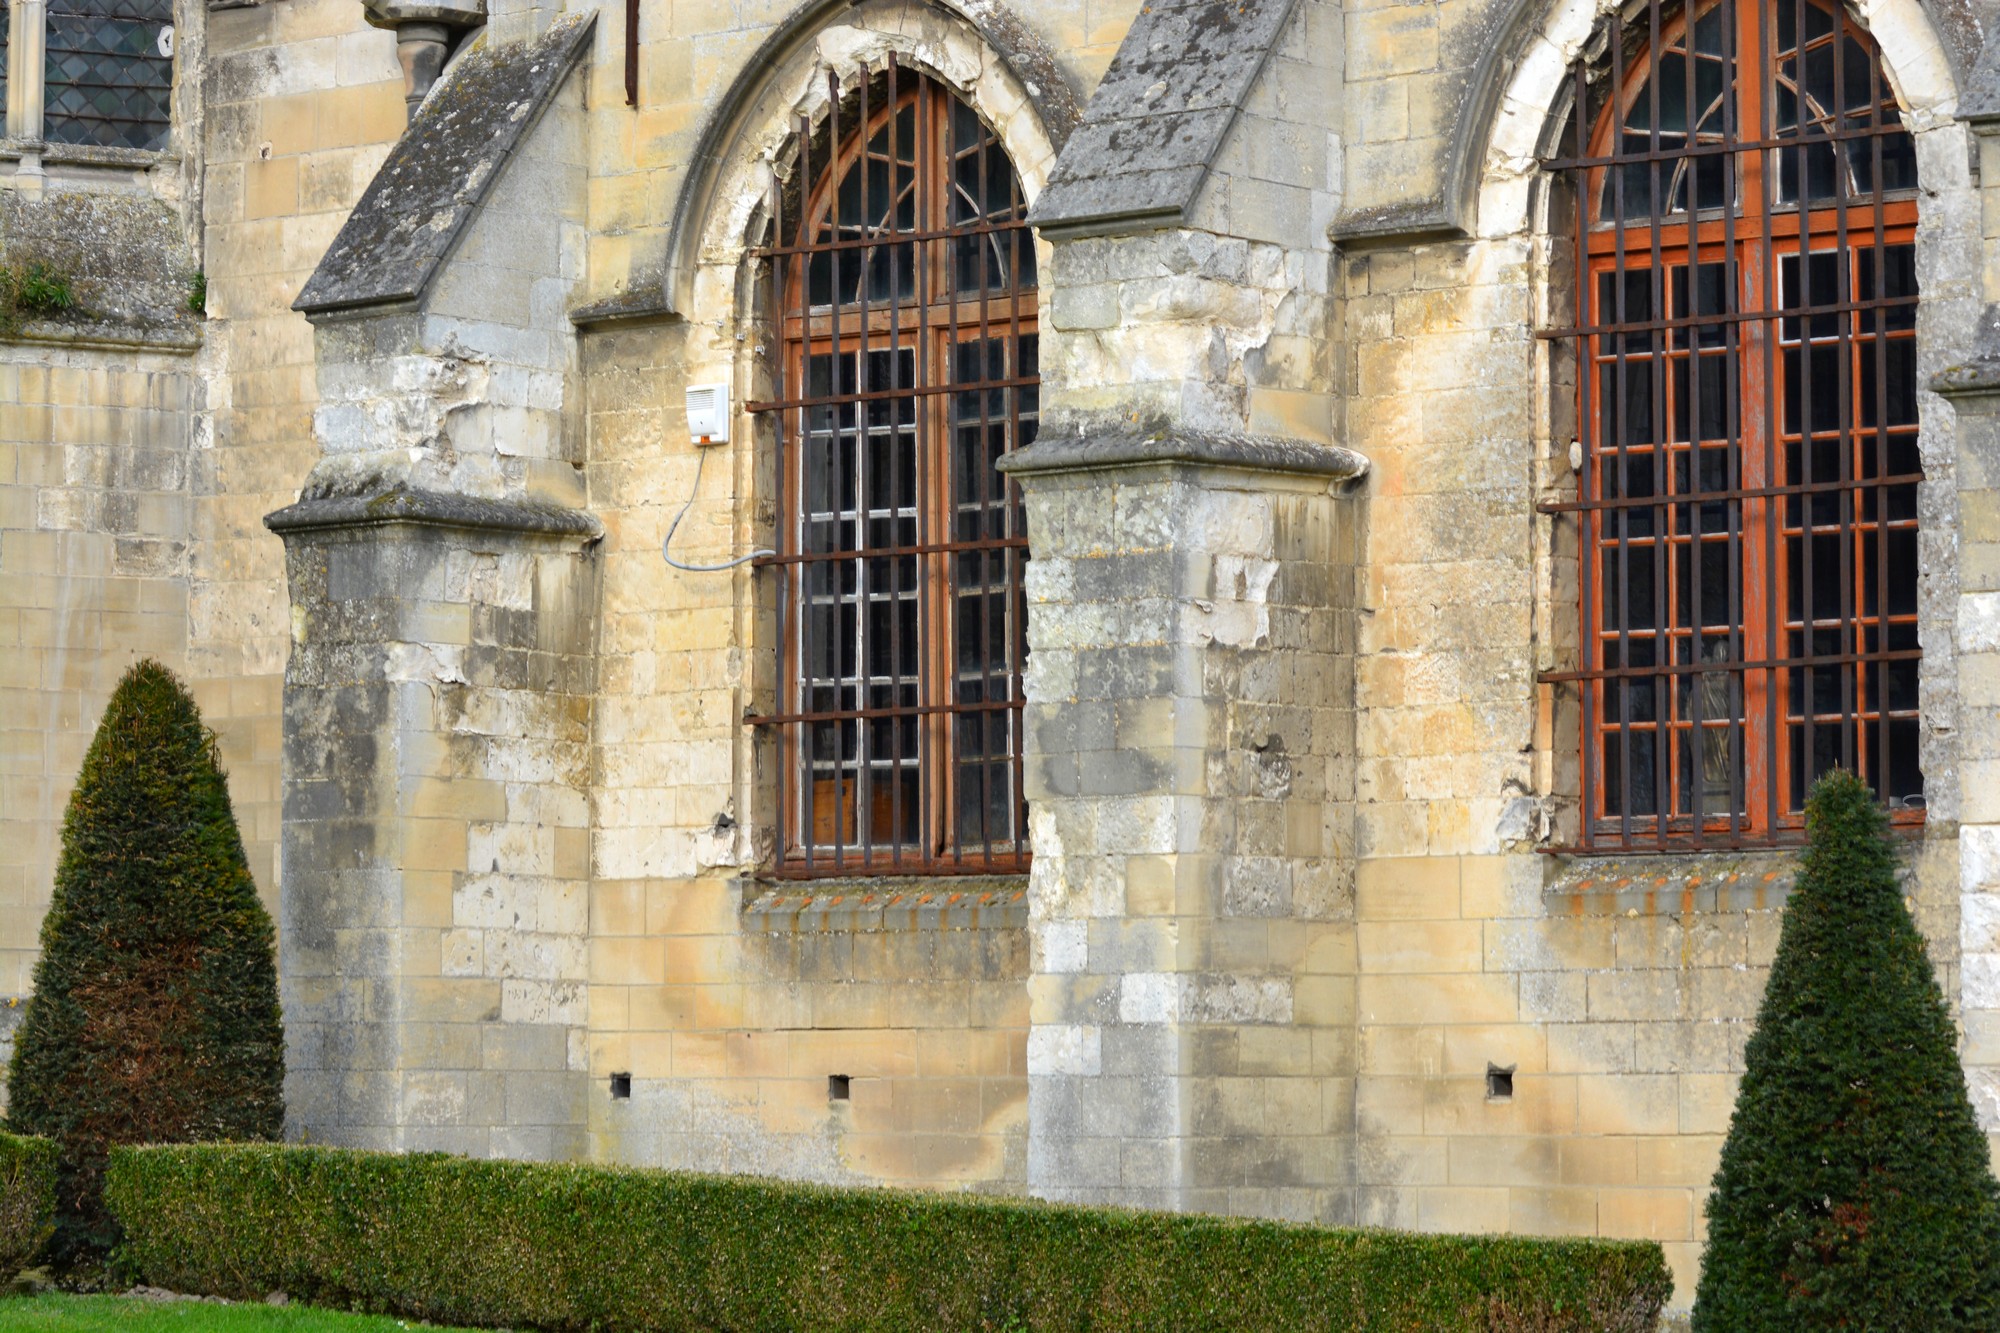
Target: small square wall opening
{"x":838,"y":1087}
{"x":621,"y":1087}
{"x":1499,"y":1082}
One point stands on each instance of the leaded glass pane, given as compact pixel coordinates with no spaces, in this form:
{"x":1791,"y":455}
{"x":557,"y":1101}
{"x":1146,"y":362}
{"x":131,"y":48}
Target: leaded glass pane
{"x":110,"y":73}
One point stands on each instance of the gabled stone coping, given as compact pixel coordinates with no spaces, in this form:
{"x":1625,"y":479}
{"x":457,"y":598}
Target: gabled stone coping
{"x":420,"y":203}
{"x":1157,"y":121}
{"x":1980,"y":106}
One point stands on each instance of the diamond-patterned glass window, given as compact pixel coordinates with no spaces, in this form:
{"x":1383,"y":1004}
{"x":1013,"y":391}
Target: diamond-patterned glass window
{"x":110,"y":73}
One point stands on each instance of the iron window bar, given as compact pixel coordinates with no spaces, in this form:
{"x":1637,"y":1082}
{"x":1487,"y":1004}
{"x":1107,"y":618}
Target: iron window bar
{"x":904,"y":295}
{"x":1744,"y":344}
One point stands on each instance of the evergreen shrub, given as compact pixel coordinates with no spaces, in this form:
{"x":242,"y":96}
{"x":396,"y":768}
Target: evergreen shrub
{"x":27,"y":1199}
{"x":154,"y":1017}
{"x":575,"y":1247}
{"x":1854,"y":1190}
{"x":32,"y":291}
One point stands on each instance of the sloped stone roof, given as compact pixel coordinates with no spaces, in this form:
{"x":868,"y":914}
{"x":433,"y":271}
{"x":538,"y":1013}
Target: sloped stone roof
{"x":1155,"y":124}
{"x":414,"y":211}
{"x":1981,"y":100}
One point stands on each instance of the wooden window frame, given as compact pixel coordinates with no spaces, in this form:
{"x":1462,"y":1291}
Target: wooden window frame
{"x":822,"y":829}
{"x":1660,"y":253}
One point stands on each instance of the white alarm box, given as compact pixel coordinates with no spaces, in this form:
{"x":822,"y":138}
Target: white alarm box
{"x":708,"y":413}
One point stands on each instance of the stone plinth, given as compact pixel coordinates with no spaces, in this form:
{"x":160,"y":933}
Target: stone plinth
{"x":1190,"y":745}
{"x":434,"y":911}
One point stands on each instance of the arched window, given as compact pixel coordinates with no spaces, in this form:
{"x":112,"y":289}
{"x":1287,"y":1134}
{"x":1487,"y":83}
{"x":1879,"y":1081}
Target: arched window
{"x":905,"y":299}
{"x":1744,"y":349}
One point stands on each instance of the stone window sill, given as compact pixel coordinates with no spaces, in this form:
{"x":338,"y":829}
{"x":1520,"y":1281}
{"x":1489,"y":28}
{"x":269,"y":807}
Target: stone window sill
{"x":1670,"y":884}
{"x":918,"y":902}
{"x":87,"y":155}
{"x":109,"y":336}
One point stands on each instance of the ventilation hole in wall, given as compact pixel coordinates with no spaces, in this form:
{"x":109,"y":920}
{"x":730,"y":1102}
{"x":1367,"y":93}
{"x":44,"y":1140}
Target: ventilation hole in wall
{"x":1499,"y":1082}
{"x":621,"y":1086}
{"x":837,"y":1088}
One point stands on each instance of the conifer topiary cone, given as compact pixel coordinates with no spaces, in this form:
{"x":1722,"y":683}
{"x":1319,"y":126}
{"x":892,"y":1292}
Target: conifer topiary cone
{"x":154,"y":1017}
{"x":1854,"y":1190}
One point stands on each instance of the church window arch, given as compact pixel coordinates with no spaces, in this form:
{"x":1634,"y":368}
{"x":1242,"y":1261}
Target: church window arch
{"x":1743,"y":345}
{"x":904,"y":297}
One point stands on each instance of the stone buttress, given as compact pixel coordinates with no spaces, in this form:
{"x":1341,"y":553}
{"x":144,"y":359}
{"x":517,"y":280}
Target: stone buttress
{"x":443,"y":576}
{"x":1190,"y":725}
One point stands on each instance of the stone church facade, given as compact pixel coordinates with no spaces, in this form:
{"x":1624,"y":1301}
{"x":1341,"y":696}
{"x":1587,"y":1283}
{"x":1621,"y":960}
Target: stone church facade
{"x":1209,"y":605}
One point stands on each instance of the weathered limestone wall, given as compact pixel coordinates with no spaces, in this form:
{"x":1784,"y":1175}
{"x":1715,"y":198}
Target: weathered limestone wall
{"x":467,"y":395}
{"x":1205,"y":329}
{"x":1972,"y":387}
{"x":1192,"y":632}
{"x":730,"y":1009}
{"x":1277,"y":185}
{"x":1976,"y":397}
{"x":1443,"y":403}
{"x":99,"y":412}
{"x":94,"y":534}
{"x":1224,"y":321}
{"x":139,"y":467}
{"x":730,"y":1018}
{"x":1425,"y":80}
{"x":300,"y":102}
{"x":703,"y":61}
{"x":1291,"y":762}
{"x":1619,"y":994}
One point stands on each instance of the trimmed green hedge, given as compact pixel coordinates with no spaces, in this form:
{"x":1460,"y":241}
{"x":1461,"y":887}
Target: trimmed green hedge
{"x":566,"y":1247}
{"x":27,"y":1199}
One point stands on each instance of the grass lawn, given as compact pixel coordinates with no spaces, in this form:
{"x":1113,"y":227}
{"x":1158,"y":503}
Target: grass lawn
{"x":115,"y":1314}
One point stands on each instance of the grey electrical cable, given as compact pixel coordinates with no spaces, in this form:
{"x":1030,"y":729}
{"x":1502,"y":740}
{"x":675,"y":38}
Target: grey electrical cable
{"x":666,"y":546}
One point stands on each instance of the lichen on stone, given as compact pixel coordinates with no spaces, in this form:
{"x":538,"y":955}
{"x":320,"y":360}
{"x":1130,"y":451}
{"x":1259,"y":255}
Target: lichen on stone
{"x":119,"y":260}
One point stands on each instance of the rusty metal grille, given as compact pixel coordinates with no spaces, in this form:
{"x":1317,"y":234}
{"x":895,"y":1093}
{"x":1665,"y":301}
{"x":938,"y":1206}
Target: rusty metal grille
{"x":905,"y":294}
{"x":109,"y":73}
{"x":1744,"y":350}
